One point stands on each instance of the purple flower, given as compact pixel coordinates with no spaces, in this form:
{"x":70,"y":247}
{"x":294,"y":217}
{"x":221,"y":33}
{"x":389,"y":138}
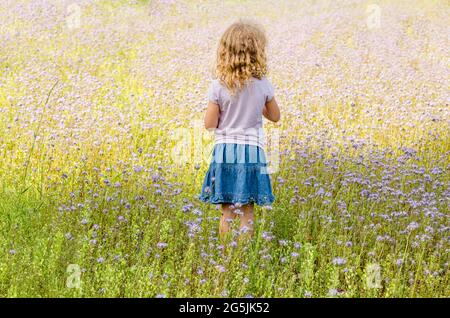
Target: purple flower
{"x":187,"y":207}
{"x":283,"y":242}
{"x":412,"y":226}
{"x":339,"y":261}
{"x":221,"y":268}
{"x":161,"y":245}
{"x":138,"y":168}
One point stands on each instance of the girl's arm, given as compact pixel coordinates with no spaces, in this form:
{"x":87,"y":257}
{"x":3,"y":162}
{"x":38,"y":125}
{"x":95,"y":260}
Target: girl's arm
{"x":271,"y":110}
{"x":212,"y":116}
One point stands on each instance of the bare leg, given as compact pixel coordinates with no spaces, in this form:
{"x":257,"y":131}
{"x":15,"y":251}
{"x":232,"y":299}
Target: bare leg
{"x":227,"y":216}
{"x":247,"y":220}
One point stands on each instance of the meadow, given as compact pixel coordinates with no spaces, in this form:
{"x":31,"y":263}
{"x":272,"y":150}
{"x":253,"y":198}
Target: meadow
{"x":102,"y":151}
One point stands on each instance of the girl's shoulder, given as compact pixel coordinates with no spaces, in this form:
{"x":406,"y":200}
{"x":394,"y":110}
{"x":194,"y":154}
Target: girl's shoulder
{"x":263,"y":81}
{"x":216,"y":84}
{"x":266,"y":87}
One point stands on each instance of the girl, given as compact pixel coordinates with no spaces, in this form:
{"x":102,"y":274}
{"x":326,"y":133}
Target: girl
{"x":238,"y":98}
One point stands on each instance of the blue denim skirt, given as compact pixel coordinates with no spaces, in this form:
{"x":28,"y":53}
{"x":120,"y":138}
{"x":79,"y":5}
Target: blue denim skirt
{"x":237,"y":174}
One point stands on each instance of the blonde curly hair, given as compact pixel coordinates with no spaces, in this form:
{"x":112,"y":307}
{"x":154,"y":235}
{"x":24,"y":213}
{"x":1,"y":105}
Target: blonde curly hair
{"x":241,"y":54}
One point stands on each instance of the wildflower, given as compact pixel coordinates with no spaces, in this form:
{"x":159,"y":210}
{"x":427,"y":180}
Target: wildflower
{"x":187,"y":207}
{"x":238,"y":212}
{"x":161,"y":245}
{"x":283,"y":242}
{"x":138,"y":168}
{"x":339,"y":261}
{"x":266,"y":236}
{"x":221,"y":269}
{"x":245,"y":229}
{"x":412,"y":226}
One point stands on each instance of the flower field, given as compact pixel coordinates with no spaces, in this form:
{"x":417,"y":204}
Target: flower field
{"x":103,"y":152}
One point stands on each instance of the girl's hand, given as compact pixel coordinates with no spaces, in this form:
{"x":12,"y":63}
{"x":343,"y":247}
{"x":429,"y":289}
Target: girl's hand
{"x":271,"y":111}
{"x":212,"y":116}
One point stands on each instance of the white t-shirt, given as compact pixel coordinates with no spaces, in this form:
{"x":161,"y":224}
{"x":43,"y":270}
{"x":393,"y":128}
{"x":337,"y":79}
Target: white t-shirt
{"x":240,"y":119}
